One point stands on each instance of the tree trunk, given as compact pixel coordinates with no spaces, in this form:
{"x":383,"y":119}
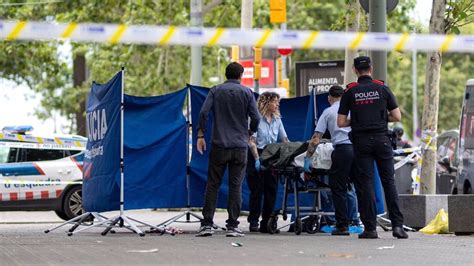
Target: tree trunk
{"x":79,"y":77}
{"x":352,"y":24}
{"x":431,"y":102}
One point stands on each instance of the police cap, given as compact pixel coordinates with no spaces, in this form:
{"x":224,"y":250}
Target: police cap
{"x":362,"y":62}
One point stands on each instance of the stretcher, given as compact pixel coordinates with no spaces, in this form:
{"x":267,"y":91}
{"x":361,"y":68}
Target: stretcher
{"x":285,"y":162}
{"x":296,"y":181}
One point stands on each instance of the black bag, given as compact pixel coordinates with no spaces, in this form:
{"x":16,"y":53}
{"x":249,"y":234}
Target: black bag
{"x":281,"y":154}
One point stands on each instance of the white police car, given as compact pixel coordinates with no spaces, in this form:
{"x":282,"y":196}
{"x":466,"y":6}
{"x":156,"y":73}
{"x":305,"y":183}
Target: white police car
{"x":41,"y":173}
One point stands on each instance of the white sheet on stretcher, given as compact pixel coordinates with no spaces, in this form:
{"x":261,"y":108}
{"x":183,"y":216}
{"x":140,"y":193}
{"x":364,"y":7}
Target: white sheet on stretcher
{"x":321,"y":158}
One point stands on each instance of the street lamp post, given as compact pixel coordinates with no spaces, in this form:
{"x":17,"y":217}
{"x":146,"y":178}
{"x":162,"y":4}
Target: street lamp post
{"x":378,"y":10}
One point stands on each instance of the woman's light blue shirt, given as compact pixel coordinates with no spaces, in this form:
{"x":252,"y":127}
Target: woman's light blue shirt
{"x":270,"y":132}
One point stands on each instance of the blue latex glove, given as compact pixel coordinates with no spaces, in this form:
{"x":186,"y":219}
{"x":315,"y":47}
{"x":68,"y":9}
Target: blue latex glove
{"x":257,"y":165}
{"x":307,"y":164}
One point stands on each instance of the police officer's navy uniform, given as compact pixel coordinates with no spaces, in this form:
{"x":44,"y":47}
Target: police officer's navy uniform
{"x":368,"y":102}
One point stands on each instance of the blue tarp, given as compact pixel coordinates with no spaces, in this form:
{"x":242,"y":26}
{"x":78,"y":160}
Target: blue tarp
{"x":297,"y":116}
{"x":154,"y":150}
{"x":102,"y":160}
{"x":322,"y":103}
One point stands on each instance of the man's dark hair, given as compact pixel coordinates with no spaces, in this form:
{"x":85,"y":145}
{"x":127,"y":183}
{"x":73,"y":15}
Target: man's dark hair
{"x":234,"y":70}
{"x":336,"y":91}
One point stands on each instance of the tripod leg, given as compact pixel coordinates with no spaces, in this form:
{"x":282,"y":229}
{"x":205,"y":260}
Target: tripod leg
{"x":92,"y":226}
{"x":76,"y":225}
{"x":171,"y":220}
{"x":66,"y":222}
{"x":155,"y":228}
{"x":114,"y":222}
{"x":99,"y":216}
{"x":131,"y":226}
{"x":200,"y":218}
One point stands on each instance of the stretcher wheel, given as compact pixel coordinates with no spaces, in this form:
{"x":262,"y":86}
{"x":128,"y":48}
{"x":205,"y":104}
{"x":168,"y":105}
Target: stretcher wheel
{"x":312,"y":224}
{"x":298,"y":226}
{"x":272,"y":225}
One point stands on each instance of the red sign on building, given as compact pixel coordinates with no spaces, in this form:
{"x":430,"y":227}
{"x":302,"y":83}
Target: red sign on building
{"x":268,"y":73}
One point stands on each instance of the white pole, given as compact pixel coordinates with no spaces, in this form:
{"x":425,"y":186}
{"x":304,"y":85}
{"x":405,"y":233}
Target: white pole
{"x":246,"y":17}
{"x":196,"y":50}
{"x":188,"y":132}
{"x":352,"y":24}
{"x":315,"y":105}
{"x":121,"y":144}
{"x":414,"y":96}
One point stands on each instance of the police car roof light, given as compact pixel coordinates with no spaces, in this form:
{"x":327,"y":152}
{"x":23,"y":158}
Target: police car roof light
{"x":17,"y":129}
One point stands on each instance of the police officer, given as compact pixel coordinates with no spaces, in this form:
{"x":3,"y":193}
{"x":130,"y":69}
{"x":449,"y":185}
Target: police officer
{"x":372,"y":105}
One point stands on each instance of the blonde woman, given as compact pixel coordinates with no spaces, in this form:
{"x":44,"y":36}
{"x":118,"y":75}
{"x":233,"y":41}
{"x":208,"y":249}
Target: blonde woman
{"x":263,"y":184}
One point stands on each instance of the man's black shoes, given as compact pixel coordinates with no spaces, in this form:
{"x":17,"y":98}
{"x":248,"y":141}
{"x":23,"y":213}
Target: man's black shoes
{"x":340,"y":231}
{"x":253,"y":228}
{"x":368,"y":235}
{"x":398,"y":232}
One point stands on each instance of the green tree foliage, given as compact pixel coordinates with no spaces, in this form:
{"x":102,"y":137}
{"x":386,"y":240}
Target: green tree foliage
{"x":459,"y":13}
{"x":155,"y":70}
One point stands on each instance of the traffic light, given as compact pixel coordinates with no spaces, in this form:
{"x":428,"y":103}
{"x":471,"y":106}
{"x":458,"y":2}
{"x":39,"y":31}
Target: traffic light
{"x":277,"y":11}
{"x":257,"y":63}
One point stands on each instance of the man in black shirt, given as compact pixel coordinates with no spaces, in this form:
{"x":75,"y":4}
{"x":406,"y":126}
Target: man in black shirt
{"x":372,"y":105}
{"x":231,"y":105}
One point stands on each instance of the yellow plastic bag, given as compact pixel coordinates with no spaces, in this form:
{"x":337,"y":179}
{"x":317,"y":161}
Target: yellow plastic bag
{"x":439,"y":225}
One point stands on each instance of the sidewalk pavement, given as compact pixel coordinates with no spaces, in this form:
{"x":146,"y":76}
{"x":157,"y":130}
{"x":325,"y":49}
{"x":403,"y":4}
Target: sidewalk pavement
{"x":23,"y":242}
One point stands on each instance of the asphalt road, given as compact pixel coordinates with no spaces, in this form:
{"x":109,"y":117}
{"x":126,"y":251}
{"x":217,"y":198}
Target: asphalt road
{"x":23,"y":242}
